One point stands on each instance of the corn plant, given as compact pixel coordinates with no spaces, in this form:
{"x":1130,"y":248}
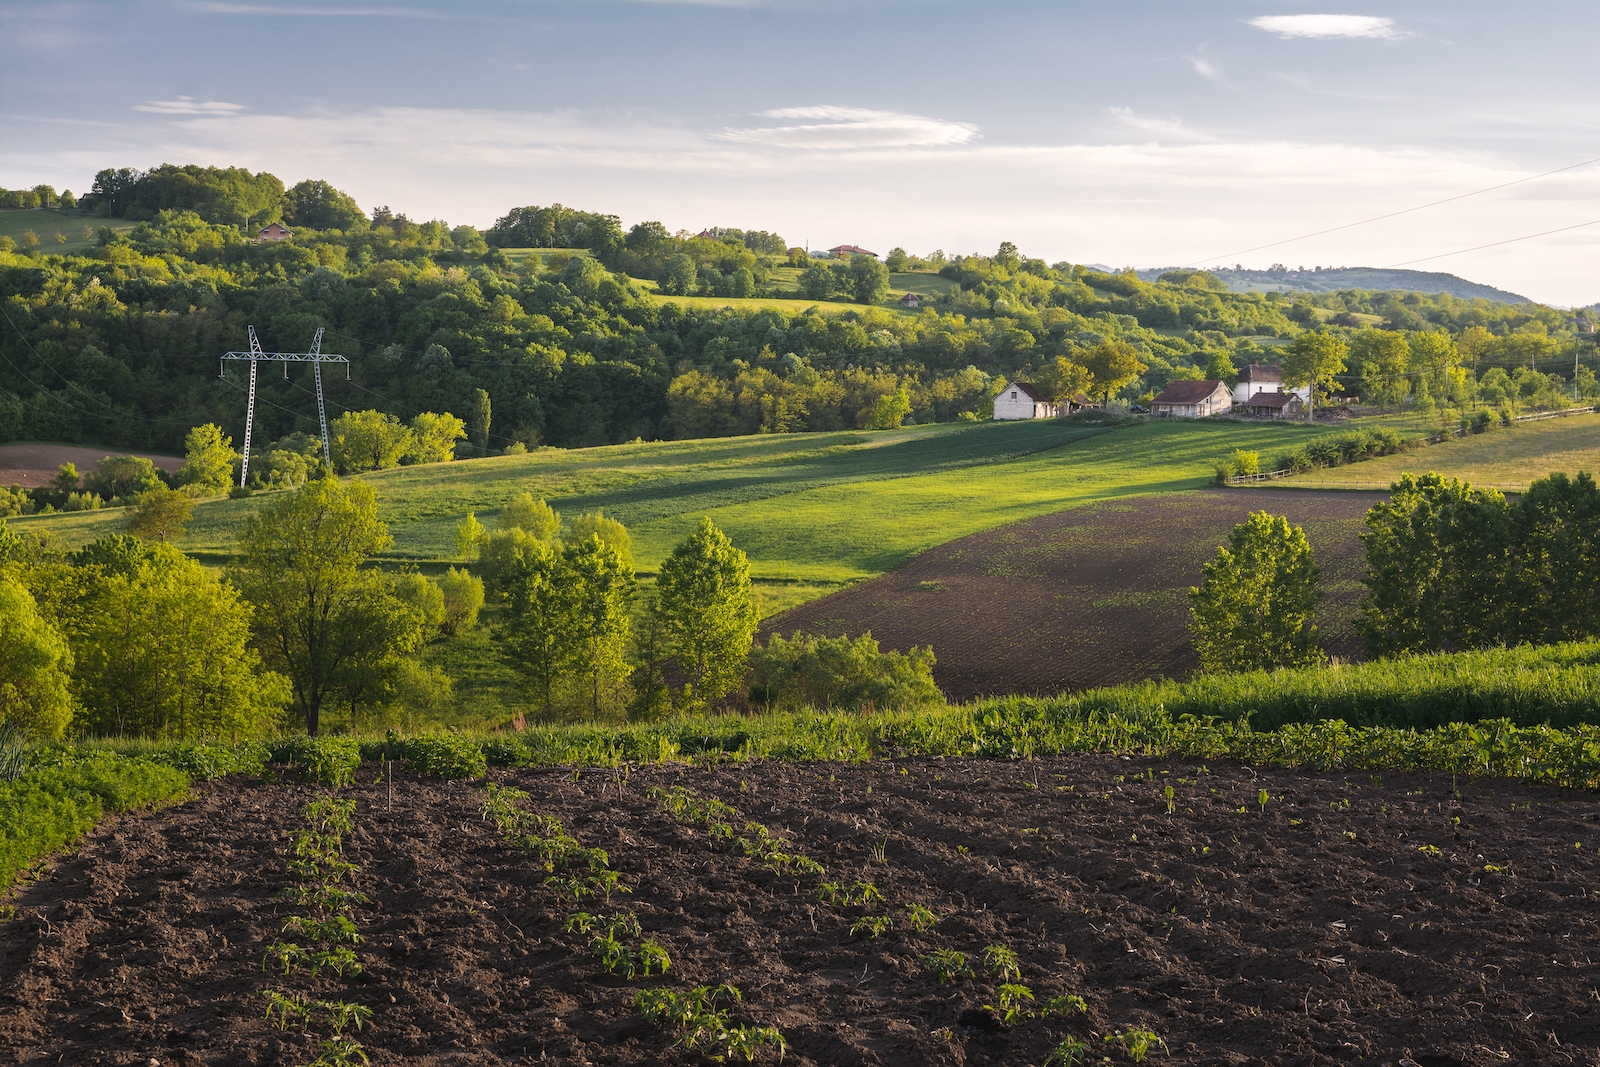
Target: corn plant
{"x":288,"y":1007}
{"x":1137,"y":1043}
{"x":1001,"y":962}
{"x":1070,"y":1053}
{"x":870,"y":927}
{"x":947,"y":965}
{"x":1262,"y":798}
{"x":1010,"y":998}
{"x":920,"y":919}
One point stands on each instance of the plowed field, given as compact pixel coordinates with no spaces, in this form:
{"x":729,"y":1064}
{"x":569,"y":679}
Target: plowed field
{"x":1347,"y":920}
{"x":1086,"y":597}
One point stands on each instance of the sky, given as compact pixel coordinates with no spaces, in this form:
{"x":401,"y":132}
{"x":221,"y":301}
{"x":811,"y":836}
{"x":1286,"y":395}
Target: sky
{"x":1140,"y":133}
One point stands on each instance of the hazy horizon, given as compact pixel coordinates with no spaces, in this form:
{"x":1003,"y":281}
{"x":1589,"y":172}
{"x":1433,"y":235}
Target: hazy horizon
{"x":1154,"y":134}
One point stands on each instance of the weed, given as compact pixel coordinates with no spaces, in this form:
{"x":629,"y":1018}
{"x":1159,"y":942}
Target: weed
{"x":1010,"y":998}
{"x":1065,"y":1005}
{"x":1070,"y":1053}
{"x":920,"y":919}
{"x":870,"y":927}
{"x":289,"y":1007}
{"x":1001,"y":962}
{"x":340,"y":1052}
{"x":1137,"y":1043}
{"x":947,"y":965}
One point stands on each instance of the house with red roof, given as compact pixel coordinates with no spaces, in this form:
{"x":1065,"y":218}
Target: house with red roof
{"x":1193,"y":400}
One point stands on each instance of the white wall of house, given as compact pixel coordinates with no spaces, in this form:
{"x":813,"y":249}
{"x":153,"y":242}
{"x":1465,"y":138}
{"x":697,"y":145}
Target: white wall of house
{"x":1014,"y":403}
{"x":1243,"y":391}
{"x":1220,"y":402}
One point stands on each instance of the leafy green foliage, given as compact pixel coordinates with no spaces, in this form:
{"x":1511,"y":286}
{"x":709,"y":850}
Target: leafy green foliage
{"x":35,"y":666}
{"x":208,"y":462}
{"x":946,"y":965}
{"x":1253,"y":610}
{"x":1137,"y":1042}
{"x":701,"y":1024}
{"x":442,"y":755}
{"x":826,"y":672}
{"x":330,"y":761}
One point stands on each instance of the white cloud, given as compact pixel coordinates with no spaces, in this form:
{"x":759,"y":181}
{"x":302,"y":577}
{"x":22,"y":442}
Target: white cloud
{"x":1326,"y":25}
{"x":1204,"y":69}
{"x":1173,"y":129}
{"x":188,"y":105}
{"x":853,"y":127}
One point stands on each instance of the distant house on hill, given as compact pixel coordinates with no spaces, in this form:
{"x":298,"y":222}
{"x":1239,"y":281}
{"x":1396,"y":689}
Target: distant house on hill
{"x":911,"y":300}
{"x":273,"y":231}
{"x":1024,"y":400}
{"x":1263,"y":377}
{"x":1278,"y":405}
{"x":1193,"y":400}
{"x":851,"y":250}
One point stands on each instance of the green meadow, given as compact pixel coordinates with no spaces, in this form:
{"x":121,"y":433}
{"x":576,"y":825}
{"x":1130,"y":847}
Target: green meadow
{"x":47,"y":223}
{"x":813,"y":508}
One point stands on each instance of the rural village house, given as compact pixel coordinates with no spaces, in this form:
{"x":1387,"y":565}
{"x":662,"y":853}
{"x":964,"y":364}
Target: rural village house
{"x":1024,"y":400}
{"x":851,"y":250}
{"x":1263,"y":378}
{"x":1192,"y":400}
{"x":273,"y":231}
{"x":1275,"y":405}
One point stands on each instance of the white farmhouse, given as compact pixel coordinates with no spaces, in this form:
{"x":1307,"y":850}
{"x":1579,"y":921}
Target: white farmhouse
{"x":1264,"y":378}
{"x":1024,"y":400}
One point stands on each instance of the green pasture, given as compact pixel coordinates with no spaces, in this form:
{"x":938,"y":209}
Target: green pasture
{"x":921,"y":283}
{"x":822,"y":508}
{"x":47,"y":222}
{"x":1507,"y":458}
{"x":756,"y":303}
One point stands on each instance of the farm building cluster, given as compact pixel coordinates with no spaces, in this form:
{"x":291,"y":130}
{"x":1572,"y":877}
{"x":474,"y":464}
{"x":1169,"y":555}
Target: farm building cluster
{"x":1258,"y":393}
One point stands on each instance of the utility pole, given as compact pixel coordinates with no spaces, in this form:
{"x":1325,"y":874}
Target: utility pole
{"x":316,"y":357}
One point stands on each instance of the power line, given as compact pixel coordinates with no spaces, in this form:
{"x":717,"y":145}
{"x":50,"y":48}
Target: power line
{"x":1497,"y":244}
{"x":1403,"y":211}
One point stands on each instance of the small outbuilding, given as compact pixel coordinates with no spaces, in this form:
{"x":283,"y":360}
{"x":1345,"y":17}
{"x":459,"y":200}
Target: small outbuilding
{"x":1275,"y":405}
{"x":1024,"y":400}
{"x":273,"y":231}
{"x":911,"y":300}
{"x":1193,"y":400}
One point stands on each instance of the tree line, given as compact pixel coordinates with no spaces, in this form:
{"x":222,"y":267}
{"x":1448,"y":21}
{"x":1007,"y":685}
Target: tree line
{"x":1450,"y":567}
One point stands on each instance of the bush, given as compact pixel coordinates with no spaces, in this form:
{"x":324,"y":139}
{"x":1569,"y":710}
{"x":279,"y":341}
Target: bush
{"x":441,"y":755}
{"x":330,"y":761}
{"x":836,"y":672}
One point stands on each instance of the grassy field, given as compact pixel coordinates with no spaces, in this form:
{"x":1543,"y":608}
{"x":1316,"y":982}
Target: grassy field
{"x":47,"y":224}
{"x":809,"y":507}
{"x":1506,"y":458}
{"x":755,"y":303}
{"x":920,"y":283}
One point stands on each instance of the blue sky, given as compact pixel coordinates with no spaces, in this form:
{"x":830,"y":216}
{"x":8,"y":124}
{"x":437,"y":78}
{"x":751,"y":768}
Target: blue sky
{"x":1128,"y":133}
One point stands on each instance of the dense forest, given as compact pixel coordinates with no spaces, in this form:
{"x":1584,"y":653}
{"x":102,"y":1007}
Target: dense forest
{"x":117,"y":343}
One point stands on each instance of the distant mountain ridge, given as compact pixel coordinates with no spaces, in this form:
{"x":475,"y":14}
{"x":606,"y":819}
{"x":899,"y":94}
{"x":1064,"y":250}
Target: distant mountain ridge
{"x":1373,"y":278}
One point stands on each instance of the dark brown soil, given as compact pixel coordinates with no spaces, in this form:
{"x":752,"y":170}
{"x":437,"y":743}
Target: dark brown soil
{"x":1087,"y":597}
{"x":1355,"y":920}
{"x":33,"y":465}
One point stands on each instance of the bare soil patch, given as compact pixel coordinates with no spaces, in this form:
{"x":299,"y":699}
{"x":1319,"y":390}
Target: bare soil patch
{"x":33,"y":465}
{"x":1355,"y":920}
{"x":1086,"y":597}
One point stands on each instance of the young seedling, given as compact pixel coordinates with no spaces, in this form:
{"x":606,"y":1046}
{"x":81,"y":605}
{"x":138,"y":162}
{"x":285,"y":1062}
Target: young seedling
{"x":1172,"y":804}
{"x":920,"y":918}
{"x":342,"y":1014}
{"x":746,"y":1042}
{"x":864,"y":893}
{"x":1262,"y":798}
{"x":1137,"y":1043}
{"x":340,"y":1052}
{"x":579,"y":922}
{"x":947,"y":965}
{"x":1010,"y":996}
{"x":1070,"y":1053}
{"x":1064,"y":1005}
{"x":870,"y":927}
{"x":880,"y":851}
{"x":341,"y":961}
{"x":336,"y":930}
{"x":289,"y":1007}
{"x":1001,"y":962}
{"x":286,"y":953}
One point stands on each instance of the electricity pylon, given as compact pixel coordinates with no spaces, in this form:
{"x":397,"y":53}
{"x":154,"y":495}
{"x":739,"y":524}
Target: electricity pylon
{"x":316,"y":357}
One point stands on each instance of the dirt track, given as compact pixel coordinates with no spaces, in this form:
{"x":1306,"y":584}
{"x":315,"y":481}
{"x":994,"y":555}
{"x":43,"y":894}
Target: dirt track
{"x":1087,"y":597}
{"x":1325,"y":929}
{"x":33,"y":465}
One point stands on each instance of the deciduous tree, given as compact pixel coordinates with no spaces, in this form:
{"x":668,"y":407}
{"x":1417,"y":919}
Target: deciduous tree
{"x":208,"y":459}
{"x":1313,"y":360}
{"x":1253,"y":610}
{"x":706,"y":613}
{"x":1112,"y":364}
{"x":160,"y":514}
{"x":35,"y":667}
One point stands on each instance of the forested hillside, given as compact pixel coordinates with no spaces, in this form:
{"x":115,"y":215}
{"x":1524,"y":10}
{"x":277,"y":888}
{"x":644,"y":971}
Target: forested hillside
{"x":116,"y":343}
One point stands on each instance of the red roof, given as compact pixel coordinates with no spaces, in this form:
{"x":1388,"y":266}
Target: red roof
{"x":1031,"y":391}
{"x":854,"y":250}
{"x":1187,"y":392}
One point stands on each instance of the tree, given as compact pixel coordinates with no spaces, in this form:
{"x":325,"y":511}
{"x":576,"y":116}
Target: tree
{"x":537,"y":631}
{"x":424,"y":597}
{"x":602,"y":587}
{"x":816,"y":282}
{"x":463,"y":599}
{"x":869,"y":279}
{"x":1381,"y":358}
{"x":1064,"y":379}
{"x":537,"y":518}
{"x":470,"y":536}
{"x":208,"y":459}
{"x":1253,"y":610}
{"x":35,"y":667}
{"x":1312,"y":361}
{"x":889,"y":409}
{"x":678,"y":276}
{"x":434,"y":437}
{"x":1113,"y":365}
{"x":368,"y":441}
{"x":319,"y":206}
{"x":123,"y":477}
{"x":1554,"y":577}
{"x":66,"y":479}
{"x":1437,"y":557}
{"x":1220,"y":368}
{"x":163,"y":647}
{"x":160,"y":514}
{"x":706,"y":613}
{"x":612,"y":532}
{"x":480,"y":421}
{"x":319,"y":615}
{"x":897,"y":259}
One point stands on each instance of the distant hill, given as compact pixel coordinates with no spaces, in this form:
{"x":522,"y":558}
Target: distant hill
{"x":1373,"y":278}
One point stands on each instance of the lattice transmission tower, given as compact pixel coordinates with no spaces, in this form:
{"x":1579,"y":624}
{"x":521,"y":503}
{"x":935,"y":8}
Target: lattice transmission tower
{"x":316,"y":357}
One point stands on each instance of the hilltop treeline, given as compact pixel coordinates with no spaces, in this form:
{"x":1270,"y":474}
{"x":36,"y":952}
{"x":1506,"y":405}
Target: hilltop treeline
{"x":117,"y":344}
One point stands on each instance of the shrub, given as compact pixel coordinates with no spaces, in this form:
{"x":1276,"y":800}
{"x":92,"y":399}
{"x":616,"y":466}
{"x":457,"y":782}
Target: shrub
{"x":441,"y":755}
{"x":827,"y":672}
{"x":330,"y":761}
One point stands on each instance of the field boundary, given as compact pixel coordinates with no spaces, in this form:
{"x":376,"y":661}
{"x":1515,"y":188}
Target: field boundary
{"x":1434,"y":439}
